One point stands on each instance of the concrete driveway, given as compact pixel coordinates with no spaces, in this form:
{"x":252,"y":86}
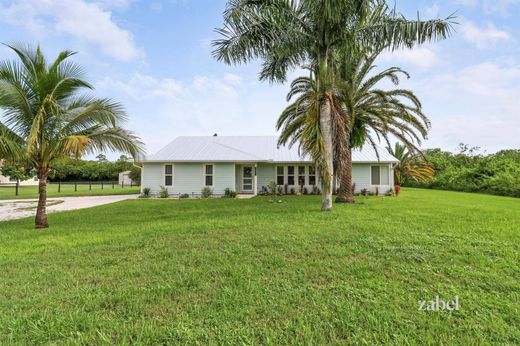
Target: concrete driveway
{"x":19,"y":208}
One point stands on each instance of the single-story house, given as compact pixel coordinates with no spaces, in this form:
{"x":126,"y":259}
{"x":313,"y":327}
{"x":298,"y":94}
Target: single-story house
{"x":124,"y":179}
{"x":246,"y":164}
{"x":8,"y":180}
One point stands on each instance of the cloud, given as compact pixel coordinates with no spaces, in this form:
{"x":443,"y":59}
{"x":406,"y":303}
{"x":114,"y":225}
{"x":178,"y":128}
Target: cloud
{"x":501,"y":7}
{"x":476,"y":105}
{"x":87,"y":22}
{"x":162,"y":108}
{"x":421,"y":57}
{"x":483,"y":37}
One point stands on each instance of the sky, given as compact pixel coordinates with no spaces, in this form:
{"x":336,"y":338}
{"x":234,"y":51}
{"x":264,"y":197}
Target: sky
{"x":155,"y":58}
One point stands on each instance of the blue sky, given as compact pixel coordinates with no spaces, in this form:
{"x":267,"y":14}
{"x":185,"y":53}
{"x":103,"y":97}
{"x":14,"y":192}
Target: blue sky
{"x":155,"y":58}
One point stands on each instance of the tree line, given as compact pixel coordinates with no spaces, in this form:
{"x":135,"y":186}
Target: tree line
{"x":471,"y":170}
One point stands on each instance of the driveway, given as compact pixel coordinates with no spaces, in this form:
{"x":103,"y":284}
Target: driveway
{"x":16,"y":209}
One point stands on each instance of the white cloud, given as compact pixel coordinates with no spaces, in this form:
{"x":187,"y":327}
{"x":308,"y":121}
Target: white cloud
{"x":477,"y":105}
{"x":491,"y":6}
{"x":422,"y":57}
{"x":483,"y":37}
{"x":161,"y":109}
{"x":86,"y":22}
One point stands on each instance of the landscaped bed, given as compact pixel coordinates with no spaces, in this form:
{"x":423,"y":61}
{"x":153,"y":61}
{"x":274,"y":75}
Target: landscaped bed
{"x":249,"y":271}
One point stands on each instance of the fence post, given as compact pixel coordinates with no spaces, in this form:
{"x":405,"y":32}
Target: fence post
{"x":17,"y":184}
{"x":122,"y":184}
{"x":101,"y":185}
{"x":89,"y":185}
{"x":131,"y":182}
{"x":59,"y":185}
{"x":112,"y":184}
{"x":75,"y":186}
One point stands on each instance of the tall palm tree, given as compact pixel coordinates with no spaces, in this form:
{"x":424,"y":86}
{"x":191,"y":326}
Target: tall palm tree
{"x":46,"y":118}
{"x":291,"y":34}
{"x":374,"y":114}
{"x":411,"y":166}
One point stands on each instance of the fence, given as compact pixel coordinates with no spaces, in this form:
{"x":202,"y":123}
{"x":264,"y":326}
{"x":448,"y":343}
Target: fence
{"x":70,"y":186}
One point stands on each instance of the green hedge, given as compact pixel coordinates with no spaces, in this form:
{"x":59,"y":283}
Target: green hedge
{"x":467,"y":170}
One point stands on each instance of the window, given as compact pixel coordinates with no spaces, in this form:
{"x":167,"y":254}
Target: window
{"x":290,"y":175}
{"x":279,"y":175}
{"x":168,"y":175}
{"x":208,"y":175}
{"x":379,"y":175}
{"x":312,"y":175}
{"x":301,"y":175}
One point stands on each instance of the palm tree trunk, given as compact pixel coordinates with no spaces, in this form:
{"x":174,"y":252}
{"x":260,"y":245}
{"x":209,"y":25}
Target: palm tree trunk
{"x":41,"y":210}
{"x":326,"y":131}
{"x":345,"y":194}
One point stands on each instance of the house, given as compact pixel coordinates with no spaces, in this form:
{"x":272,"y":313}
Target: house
{"x":124,"y":179}
{"x":9,"y":180}
{"x":246,"y":164}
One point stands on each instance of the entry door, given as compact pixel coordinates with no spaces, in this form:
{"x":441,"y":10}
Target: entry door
{"x":247,"y":179}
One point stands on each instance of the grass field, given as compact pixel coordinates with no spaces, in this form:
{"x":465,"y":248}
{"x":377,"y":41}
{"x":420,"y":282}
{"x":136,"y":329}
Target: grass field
{"x":227,"y":271}
{"x":8,"y":192}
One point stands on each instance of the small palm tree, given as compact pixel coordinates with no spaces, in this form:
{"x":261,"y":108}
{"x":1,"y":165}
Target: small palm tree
{"x":46,"y":118}
{"x":288,"y":34}
{"x":373,"y":113}
{"x":411,"y":167}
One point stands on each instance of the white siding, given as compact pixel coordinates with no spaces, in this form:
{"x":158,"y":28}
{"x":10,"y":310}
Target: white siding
{"x":265,"y":174}
{"x":361,"y":176}
{"x":152,"y":176}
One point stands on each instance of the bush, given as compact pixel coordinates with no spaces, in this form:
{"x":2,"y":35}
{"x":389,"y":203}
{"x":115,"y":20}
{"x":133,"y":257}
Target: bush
{"x":163,"y":192}
{"x":279,"y":190}
{"x":184,"y":195}
{"x":305,"y":191}
{"x":206,"y":192}
{"x":272,"y":188}
{"x":293,"y":191}
{"x":315,"y":190}
{"x":146,"y":192}
{"x":228,"y":193}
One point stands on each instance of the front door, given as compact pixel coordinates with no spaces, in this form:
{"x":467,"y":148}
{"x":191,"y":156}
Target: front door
{"x":247,"y":179}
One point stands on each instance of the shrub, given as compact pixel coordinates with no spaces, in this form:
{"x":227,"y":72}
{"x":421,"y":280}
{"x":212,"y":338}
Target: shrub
{"x":146,"y":192}
{"x":293,"y":191}
{"x":163,"y":192}
{"x":390,"y":193}
{"x":184,"y":195}
{"x":228,"y":193}
{"x":279,"y":190}
{"x":377,"y":190}
{"x":315,"y":190}
{"x":272,"y":189}
{"x":305,"y":191}
{"x":206,"y":192}
{"x":364,"y":192}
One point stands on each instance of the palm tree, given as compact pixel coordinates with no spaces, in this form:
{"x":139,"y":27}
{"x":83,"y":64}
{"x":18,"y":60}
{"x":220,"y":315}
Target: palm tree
{"x":290,"y":34}
{"x":411,"y":166}
{"x":46,"y":118}
{"x":374,"y":114}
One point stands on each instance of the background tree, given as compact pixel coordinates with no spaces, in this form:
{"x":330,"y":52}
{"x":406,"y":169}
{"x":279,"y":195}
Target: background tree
{"x":18,"y":171}
{"x":288,"y":34}
{"x":411,"y":167}
{"x":46,"y":118}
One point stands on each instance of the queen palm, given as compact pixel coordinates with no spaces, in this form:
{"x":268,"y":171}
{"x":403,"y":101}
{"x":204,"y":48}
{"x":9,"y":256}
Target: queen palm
{"x":411,"y":166}
{"x":290,"y":34}
{"x":373,"y":113}
{"x":46,"y":118}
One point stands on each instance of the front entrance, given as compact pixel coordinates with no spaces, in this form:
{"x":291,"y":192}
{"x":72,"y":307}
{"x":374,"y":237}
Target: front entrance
{"x":247,"y":179}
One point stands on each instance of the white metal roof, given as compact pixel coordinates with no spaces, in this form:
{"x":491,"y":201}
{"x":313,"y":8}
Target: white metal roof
{"x":246,"y":149}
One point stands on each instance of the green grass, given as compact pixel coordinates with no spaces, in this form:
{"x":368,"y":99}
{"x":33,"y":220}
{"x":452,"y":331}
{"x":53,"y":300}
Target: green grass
{"x":8,"y":192}
{"x":228,"y":271}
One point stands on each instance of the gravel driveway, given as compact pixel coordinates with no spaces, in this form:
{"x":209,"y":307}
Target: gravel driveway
{"x":17,"y":209}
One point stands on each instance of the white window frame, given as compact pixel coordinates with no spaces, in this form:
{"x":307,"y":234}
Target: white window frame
{"x":212,"y":175}
{"x":380,"y":175}
{"x":315,"y":175}
{"x":305,"y":175}
{"x":167,"y":175}
{"x":282,"y":175}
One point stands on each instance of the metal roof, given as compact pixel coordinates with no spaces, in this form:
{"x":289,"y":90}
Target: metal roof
{"x":246,"y":149}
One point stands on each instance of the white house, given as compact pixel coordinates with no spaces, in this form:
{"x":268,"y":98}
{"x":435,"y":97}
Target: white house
{"x":124,"y":178}
{"x":245,"y":164}
{"x":9,"y":180}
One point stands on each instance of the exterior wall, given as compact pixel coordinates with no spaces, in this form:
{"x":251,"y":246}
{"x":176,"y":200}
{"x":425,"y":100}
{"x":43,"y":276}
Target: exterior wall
{"x":124,"y":178}
{"x":188,"y":177}
{"x":361,"y":176}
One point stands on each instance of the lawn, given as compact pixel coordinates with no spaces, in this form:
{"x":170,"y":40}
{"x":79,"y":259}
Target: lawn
{"x":227,"y":271}
{"x":8,"y":192}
